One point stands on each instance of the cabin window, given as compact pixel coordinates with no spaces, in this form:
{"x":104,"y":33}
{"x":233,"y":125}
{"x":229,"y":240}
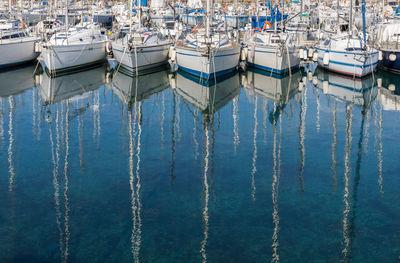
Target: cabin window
{"x":326,"y":43}
{"x":354,"y":49}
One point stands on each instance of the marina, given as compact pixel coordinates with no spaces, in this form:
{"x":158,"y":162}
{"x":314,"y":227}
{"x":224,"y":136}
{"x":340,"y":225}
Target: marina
{"x":199,"y":131}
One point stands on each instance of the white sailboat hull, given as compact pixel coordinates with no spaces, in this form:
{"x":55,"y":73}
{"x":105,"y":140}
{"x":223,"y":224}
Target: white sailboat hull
{"x":17,"y":52}
{"x":141,"y":58}
{"x":354,"y":64}
{"x":208,"y":66}
{"x":273,"y":60}
{"x":70,"y":57}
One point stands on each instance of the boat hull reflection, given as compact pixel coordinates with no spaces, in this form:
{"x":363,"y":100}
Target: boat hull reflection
{"x":133,"y":89}
{"x":15,"y":81}
{"x":360,"y":92}
{"x":68,"y":86}
{"x":274,"y":87}
{"x":204,"y":96}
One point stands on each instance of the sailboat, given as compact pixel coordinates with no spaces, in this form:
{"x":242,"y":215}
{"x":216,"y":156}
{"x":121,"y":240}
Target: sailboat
{"x":207,"y":53}
{"x":75,"y":48}
{"x":273,"y":50}
{"x":142,"y":48}
{"x":347,"y":53}
{"x":17,"y":44}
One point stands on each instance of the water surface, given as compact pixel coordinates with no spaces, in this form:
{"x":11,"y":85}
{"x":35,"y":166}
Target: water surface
{"x":108,"y":168}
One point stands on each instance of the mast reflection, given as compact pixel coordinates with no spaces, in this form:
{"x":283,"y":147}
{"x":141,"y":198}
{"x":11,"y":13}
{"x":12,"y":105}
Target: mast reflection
{"x":360,"y":93}
{"x":207,"y":98}
{"x":133,"y":91}
{"x":280,"y":90}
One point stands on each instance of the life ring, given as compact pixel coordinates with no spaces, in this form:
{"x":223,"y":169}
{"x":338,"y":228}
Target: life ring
{"x":254,"y":30}
{"x":267,"y":25}
{"x":195,"y":29}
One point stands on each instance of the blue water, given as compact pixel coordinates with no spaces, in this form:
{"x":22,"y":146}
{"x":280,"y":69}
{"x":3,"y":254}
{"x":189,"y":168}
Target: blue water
{"x":107,"y":168}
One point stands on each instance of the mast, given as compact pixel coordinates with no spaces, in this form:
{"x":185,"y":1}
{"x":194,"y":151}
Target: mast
{"x":351,"y":18}
{"x":208,"y":19}
{"x":363,"y":18}
{"x":66,"y":18}
{"x":140,"y":13}
{"x":337,"y":10}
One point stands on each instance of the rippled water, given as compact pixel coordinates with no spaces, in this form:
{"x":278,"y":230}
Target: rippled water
{"x":109,"y":168}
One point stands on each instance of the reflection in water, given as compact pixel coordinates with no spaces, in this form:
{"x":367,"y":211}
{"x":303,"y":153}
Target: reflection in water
{"x":133,"y":91}
{"x":173,"y":141}
{"x":96,"y":119}
{"x":275,"y":188}
{"x":63,"y":91}
{"x":206,"y":195}
{"x":254,"y":160}
{"x":302,"y":134}
{"x":12,"y":83}
{"x":134,"y":175}
{"x":72,"y":86}
{"x":347,"y":174}
{"x":207,"y":99}
{"x":317,"y":124}
{"x":66,"y":199}
{"x":1,"y":122}
{"x":334,"y":144}
{"x":11,"y":144}
{"x":380,"y":152}
{"x":359,"y":93}
{"x":55,"y":157}
{"x":276,"y":88}
{"x":236,"y":139}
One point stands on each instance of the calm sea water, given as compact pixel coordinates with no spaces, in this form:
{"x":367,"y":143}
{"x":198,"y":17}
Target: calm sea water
{"x":102,"y":168}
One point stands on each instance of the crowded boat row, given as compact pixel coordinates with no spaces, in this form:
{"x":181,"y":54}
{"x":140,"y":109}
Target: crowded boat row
{"x":207,"y":42}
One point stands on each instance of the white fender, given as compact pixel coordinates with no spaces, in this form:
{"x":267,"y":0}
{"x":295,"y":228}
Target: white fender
{"x":325,"y":87}
{"x":305,"y":54}
{"x":243,"y":53}
{"x":301,"y":53}
{"x":315,"y":56}
{"x":392,"y":57}
{"x":38,"y":47}
{"x":392,"y":87}
{"x":301,"y":86}
{"x":326,"y":58}
{"x":108,"y":47}
{"x":310,"y":53}
{"x":379,"y":81}
{"x":315,"y":81}
{"x":380,"y":55}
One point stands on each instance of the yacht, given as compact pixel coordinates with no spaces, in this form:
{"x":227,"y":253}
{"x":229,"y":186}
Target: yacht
{"x":17,"y":44}
{"x":388,"y":42}
{"x":274,"y":51}
{"x":207,"y":52}
{"x":78,"y":47}
{"x":141,"y":48}
{"x":347,"y":55}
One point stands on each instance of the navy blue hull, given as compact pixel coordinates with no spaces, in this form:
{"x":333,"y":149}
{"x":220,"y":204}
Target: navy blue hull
{"x":391,"y":65}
